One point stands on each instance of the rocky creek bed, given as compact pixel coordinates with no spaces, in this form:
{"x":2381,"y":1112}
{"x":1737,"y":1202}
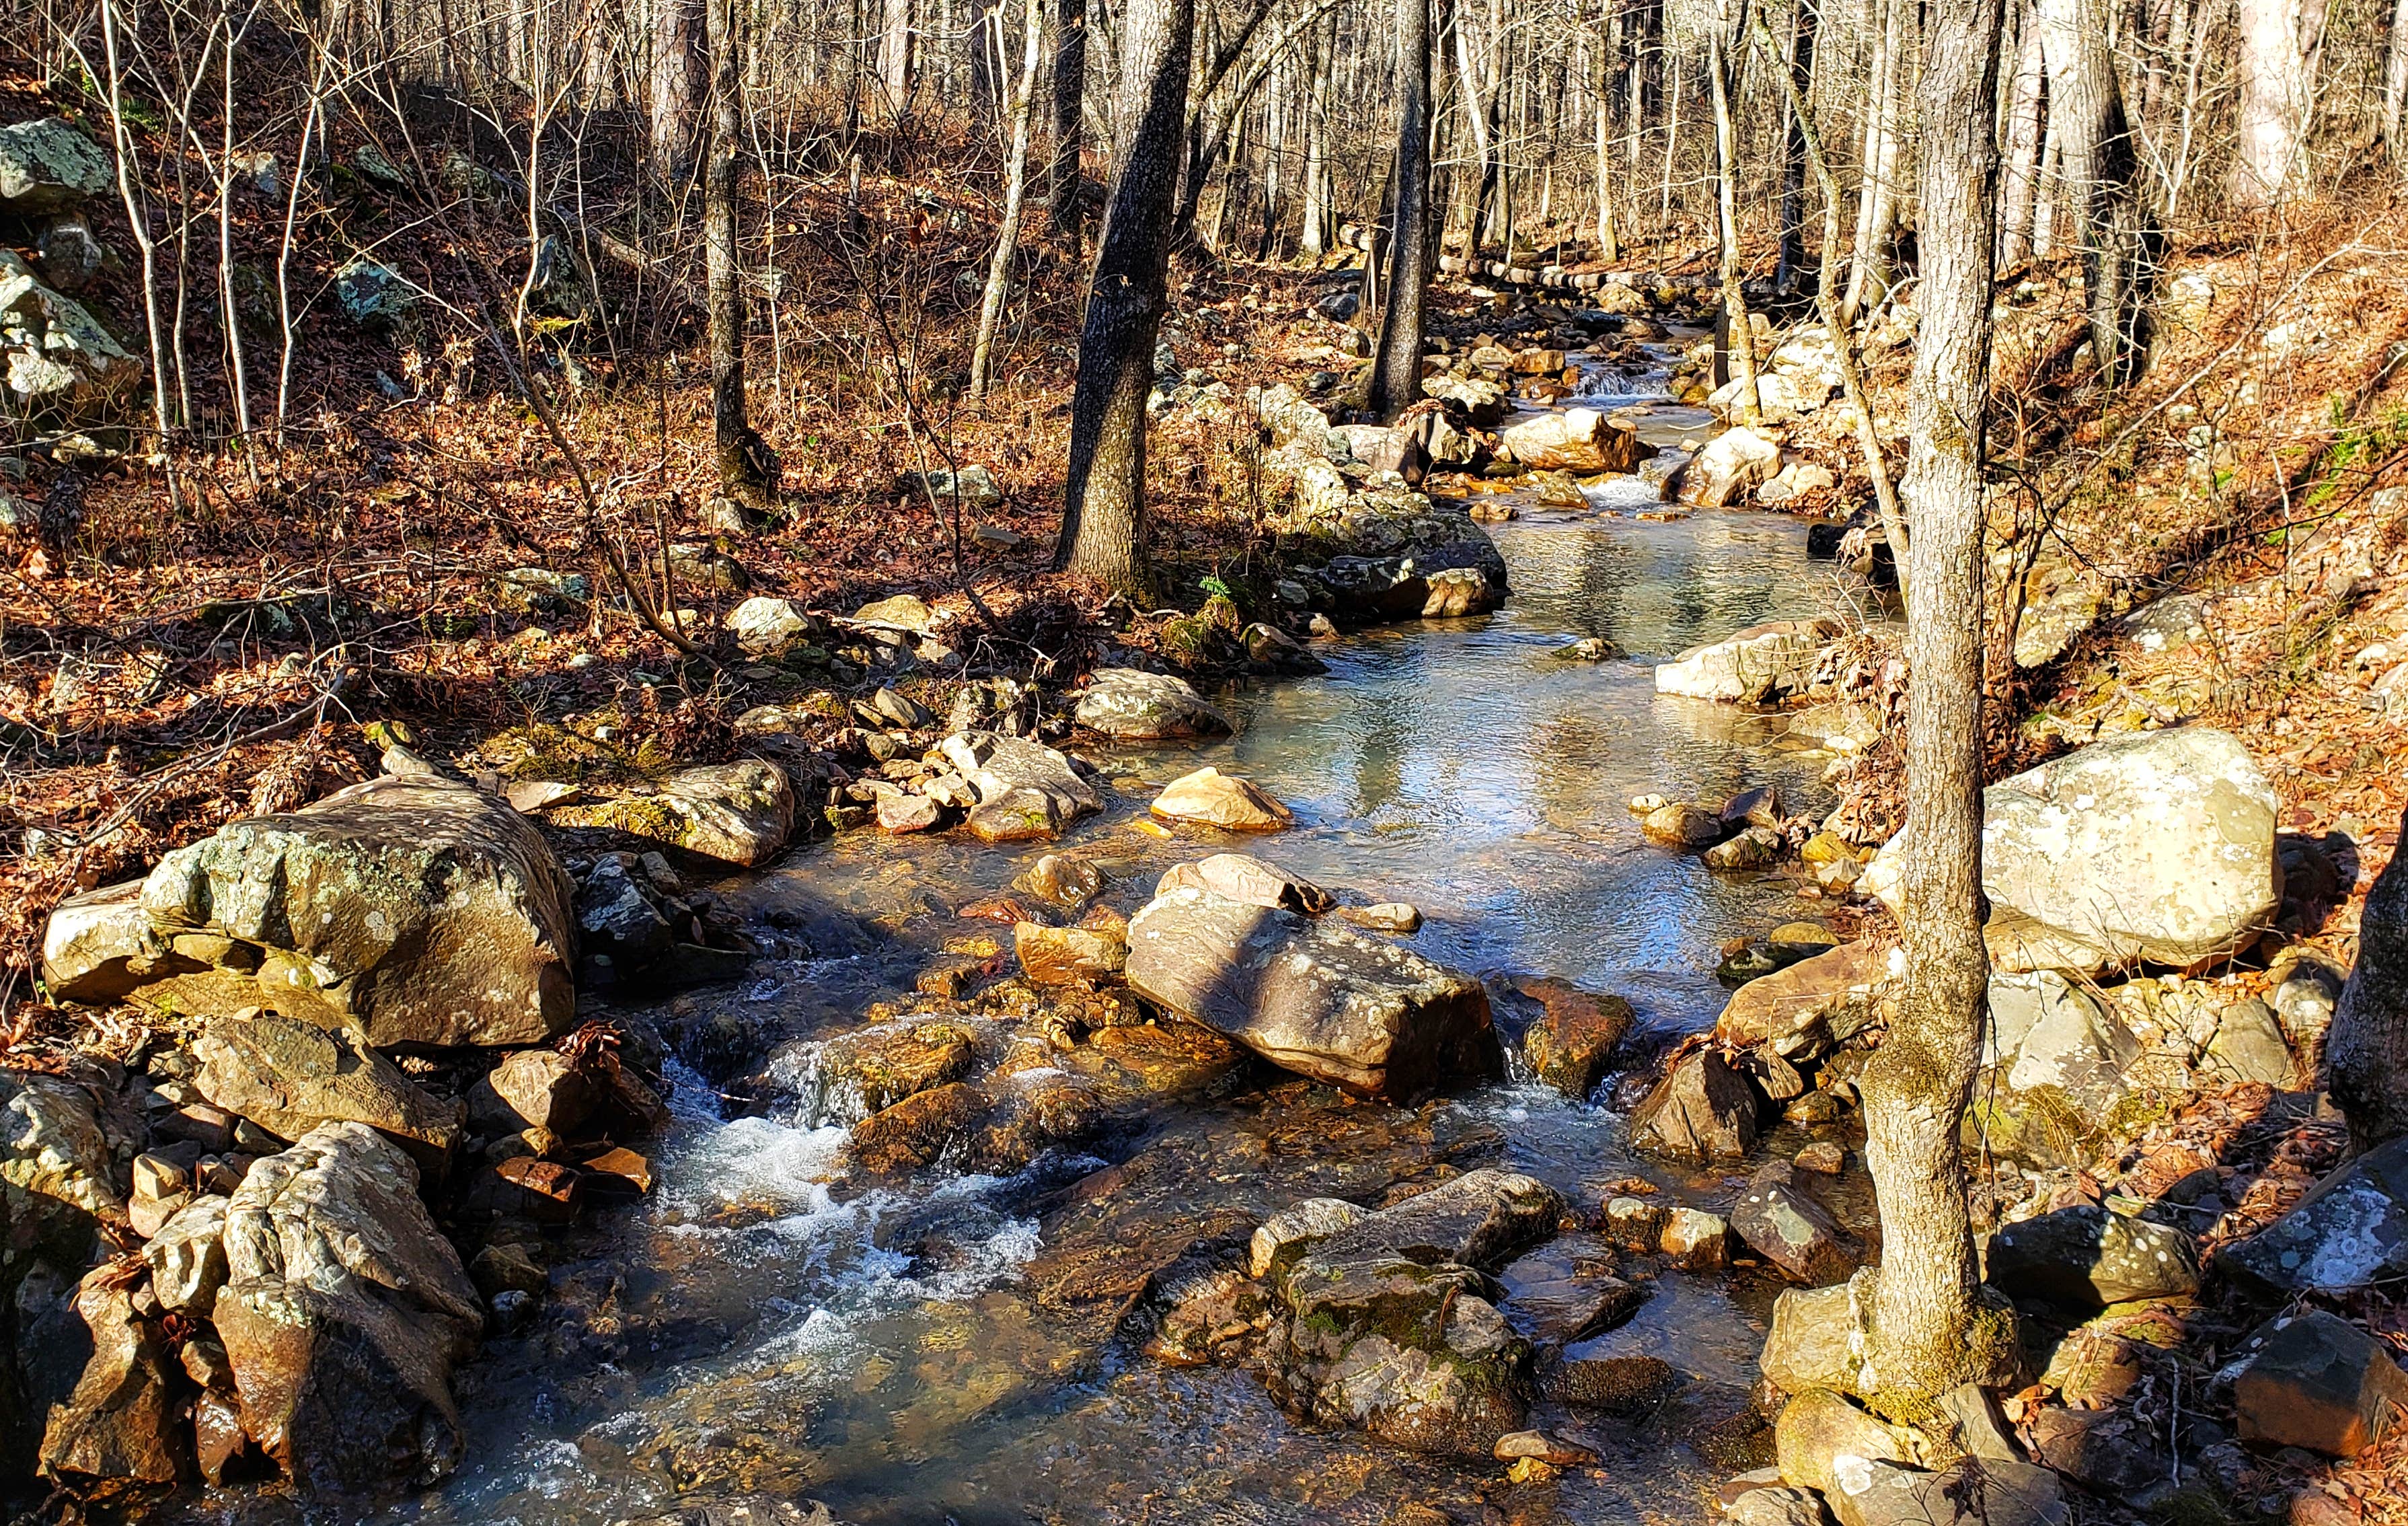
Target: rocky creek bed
{"x":1418,"y":1090}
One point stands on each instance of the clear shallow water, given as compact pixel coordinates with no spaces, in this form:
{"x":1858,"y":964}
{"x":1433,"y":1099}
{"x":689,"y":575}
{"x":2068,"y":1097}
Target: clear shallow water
{"x":936,"y":1351}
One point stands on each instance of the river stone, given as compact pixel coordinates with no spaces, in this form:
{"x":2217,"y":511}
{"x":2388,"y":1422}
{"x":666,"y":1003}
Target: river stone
{"x":1318,"y":997}
{"x":1566,"y":1291}
{"x":1025,"y":788}
{"x":1599,"y":1374}
{"x":1210,"y":797}
{"x":1695,"y":1240}
{"x":1297,"y":1224}
{"x":1752,"y":666}
{"x":1247,"y":880}
{"x":1703,"y":1110}
{"x":2318,"y":1382}
{"x":738,"y":813}
{"x":915,"y":1131}
{"x":419,"y":910}
{"x":1571,"y":1045}
{"x":1814,"y":1337}
{"x":1775,"y":1507}
{"x":343,"y":1314}
{"x":1793,"y":1232}
{"x":2087,"y":1258}
{"x":1053,"y":955}
{"x":2059,"y":1067}
{"x":533,"y":1088}
{"x":1754,"y":849}
{"x":1128,"y":705}
{"x":1817,"y":1428}
{"x":2351,"y":1232}
{"x":1576,"y":439}
{"x":58,"y":1173}
{"x":1733,"y":463}
{"x":854,"y":1075}
{"x":1479,"y":1219}
{"x":289,"y":1077}
{"x":187,"y":1257}
{"x":1971,"y":1493}
{"x":116,"y":1439}
{"x":1816,"y":1005}
{"x":2156,"y":846}
{"x":1679,"y":825}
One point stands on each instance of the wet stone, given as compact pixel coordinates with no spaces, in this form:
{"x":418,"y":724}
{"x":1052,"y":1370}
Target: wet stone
{"x":1598,"y":1374}
{"x":1703,"y":1110}
{"x":1789,"y":1229}
{"x":1566,"y":1292}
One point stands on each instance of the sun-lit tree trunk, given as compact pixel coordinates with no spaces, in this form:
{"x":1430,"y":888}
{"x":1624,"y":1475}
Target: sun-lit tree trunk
{"x":679,"y":82}
{"x":748,"y":470}
{"x":2395,"y":86}
{"x":2022,"y":165}
{"x":1931,"y":1331}
{"x":1065,"y":182}
{"x":2281,"y":42}
{"x":1015,"y":180}
{"x":1314,"y":240}
{"x":2100,"y":171}
{"x":1877,"y":204}
{"x":1609,"y":31}
{"x":1396,"y":368}
{"x":1729,"y":17}
{"x":1103,"y":500}
{"x":895,"y":60}
{"x":2367,"y":1050}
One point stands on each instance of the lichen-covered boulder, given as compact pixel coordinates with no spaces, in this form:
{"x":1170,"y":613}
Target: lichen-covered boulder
{"x":60,"y":361}
{"x":1318,"y":997}
{"x":1128,"y":705}
{"x":739,"y":812}
{"x":289,"y":1077}
{"x":418,"y":911}
{"x":2157,"y":847}
{"x":47,"y":166}
{"x":1757,"y":664}
{"x":343,"y":1314}
{"x":1025,"y":790}
{"x":58,"y":1173}
{"x":1576,"y":439}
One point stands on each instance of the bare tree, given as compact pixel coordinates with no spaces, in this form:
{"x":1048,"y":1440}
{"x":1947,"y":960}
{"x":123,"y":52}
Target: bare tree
{"x":1015,"y":181}
{"x":2099,"y":170}
{"x":1069,"y":109}
{"x":1103,"y":498}
{"x":748,"y":469}
{"x":1731,"y":15}
{"x":1396,"y":370}
{"x":2368,"y":1047}
{"x":679,"y":79}
{"x":2395,"y":84}
{"x":2281,"y":43}
{"x":1931,"y":1332}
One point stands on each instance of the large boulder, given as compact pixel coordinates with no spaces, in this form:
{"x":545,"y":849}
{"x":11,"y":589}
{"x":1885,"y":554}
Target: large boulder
{"x":1702,"y":1110}
{"x":2156,"y":846}
{"x":60,"y":361}
{"x":343,"y":1314}
{"x":2351,"y":1232}
{"x":1757,"y":664}
{"x":1208,"y":797}
{"x":417,"y":911}
{"x":1787,"y":1226}
{"x":2317,"y":1381}
{"x":1318,"y":997}
{"x":1574,"y":1039}
{"x":1479,"y":1219}
{"x":2087,"y":1258}
{"x":739,"y":812}
{"x":116,"y":1439}
{"x":47,"y":166}
{"x":1732,"y":465}
{"x":2058,"y":1068}
{"x":1128,"y":705}
{"x":1813,"y":1007}
{"x":59,"y":1176}
{"x":1025,"y":788}
{"x":289,"y":1077}
{"x":1578,"y":440}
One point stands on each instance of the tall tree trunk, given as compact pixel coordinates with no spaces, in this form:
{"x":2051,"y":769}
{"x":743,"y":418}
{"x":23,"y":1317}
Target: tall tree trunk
{"x":2100,"y":168}
{"x":748,"y":471}
{"x":2281,"y":42}
{"x":1793,"y":147}
{"x":1103,"y":500}
{"x":679,"y":82}
{"x":2395,"y":85}
{"x":1314,"y":241}
{"x":2024,"y":99}
{"x":1931,"y":1332}
{"x":1479,"y":108}
{"x":1069,"y":109}
{"x":1015,"y":181}
{"x":895,"y":60}
{"x":1729,"y":15}
{"x":2367,"y":1049}
{"x":1877,"y":207}
{"x":1609,"y":248}
{"x":1397,"y":368}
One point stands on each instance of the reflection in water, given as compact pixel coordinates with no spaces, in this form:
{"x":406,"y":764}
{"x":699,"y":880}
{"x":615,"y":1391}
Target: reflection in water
{"x":764,"y":1325}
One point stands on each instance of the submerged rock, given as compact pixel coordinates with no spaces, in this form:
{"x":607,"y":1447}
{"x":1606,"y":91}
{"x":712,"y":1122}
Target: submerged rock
{"x":418,"y":911}
{"x":1247,"y":880}
{"x":1571,"y":1045}
{"x":1318,"y":997}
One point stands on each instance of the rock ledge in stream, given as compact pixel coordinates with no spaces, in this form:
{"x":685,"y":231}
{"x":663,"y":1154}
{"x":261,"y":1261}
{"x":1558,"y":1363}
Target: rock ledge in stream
{"x":1320,"y":999}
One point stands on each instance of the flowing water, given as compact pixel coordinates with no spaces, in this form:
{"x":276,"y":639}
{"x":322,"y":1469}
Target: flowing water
{"x":919,"y":1352}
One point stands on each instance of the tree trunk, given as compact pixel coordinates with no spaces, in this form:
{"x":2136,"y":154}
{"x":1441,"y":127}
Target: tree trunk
{"x":1931,"y":1332}
{"x":2099,"y":170}
{"x":1314,"y":240}
{"x":679,"y":83}
{"x":748,"y":471}
{"x":895,"y":60}
{"x":1015,"y":180}
{"x":2281,"y":41}
{"x":2395,"y":85}
{"x":1793,"y":147}
{"x":1069,"y":108}
{"x":2023,"y":141}
{"x":1103,"y":503}
{"x":1609,"y":248}
{"x":2367,"y":1047}
{"x":1729,"y":15}
{"x":1877,"y":208}
{"x":1396,"y":370}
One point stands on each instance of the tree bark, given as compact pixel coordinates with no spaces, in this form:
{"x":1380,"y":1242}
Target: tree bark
{"x":1877,"y":204}
{"x":2099,"y":171}
{"x":679,"y":83}
{"x":2367,"y":1047}
{"x":748,"y":470}
{"x":1730,"y":16}
{"x":1609,"y":30}
{"x":1103,"y":505}
{"x":1397,"y":368}
{"x":895,"y":60}
{"x":1931,"y":1332}
{"x":1800,"y":65}
{"x":1015,"y":181}
{"x":2395,"y":85}
{"x":2281,"y":42}
{"x":2023,"y":140}
{"x":1069,"y":109}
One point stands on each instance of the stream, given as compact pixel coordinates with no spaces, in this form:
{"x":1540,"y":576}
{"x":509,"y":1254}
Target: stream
{"x":907,"y":1352}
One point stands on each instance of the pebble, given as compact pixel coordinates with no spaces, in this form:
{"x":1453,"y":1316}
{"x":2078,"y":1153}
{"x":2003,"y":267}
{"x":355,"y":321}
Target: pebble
{"x":1823,"y":1157}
